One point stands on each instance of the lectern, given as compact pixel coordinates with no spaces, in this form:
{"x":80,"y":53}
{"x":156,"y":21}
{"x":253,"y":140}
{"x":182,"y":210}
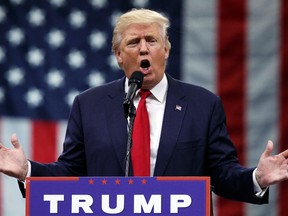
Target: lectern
{"x":118,"y":196}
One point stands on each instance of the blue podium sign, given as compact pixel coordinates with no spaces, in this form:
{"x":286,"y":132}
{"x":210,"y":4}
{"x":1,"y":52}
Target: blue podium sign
{"x":118,"y":196}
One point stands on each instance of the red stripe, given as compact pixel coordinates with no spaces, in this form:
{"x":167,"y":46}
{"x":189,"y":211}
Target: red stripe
{"x":231,"y":81}
{"x":283,"y":190}
{"x":44,"y":141}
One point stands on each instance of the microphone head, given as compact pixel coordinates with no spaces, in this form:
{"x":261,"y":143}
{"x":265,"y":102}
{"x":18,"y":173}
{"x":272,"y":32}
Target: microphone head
{"x":137,"y":78}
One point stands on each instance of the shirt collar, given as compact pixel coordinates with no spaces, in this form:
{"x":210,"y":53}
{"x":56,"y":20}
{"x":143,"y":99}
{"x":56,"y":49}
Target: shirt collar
{"x":159,"y":91}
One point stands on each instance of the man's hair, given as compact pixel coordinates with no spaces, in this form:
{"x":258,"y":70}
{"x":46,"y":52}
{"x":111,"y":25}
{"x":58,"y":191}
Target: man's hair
{"x":140,"y":16}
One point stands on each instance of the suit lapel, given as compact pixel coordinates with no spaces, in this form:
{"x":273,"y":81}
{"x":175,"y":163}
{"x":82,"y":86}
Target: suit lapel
{"x":116,"y":121}
{"x":173,"y":116}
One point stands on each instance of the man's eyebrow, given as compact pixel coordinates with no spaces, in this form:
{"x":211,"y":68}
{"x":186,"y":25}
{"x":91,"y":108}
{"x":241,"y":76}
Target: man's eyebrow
{"x":132,"y":39}
{"x":137,"y":37}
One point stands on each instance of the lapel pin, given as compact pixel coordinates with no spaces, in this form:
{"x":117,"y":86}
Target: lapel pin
{"x":178,"y":107}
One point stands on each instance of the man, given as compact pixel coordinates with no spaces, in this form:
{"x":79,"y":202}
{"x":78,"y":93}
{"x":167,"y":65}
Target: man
{"x":188,"y":135}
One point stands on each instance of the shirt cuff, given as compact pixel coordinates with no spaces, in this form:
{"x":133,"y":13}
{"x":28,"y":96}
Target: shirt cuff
{"x":28,"y":173}
{"x":259,"y":192}
{"x":29,"y":169}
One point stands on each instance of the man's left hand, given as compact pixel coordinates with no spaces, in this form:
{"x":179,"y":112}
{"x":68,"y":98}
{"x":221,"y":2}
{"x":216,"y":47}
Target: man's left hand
{"x":272,"y":169}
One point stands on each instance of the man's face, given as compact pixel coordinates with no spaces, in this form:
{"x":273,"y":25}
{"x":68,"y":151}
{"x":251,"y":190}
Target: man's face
{"x":143,"y":43}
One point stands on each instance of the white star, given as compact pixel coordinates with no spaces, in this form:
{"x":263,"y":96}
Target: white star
{"x":15,"y":76}
{"x":2,"y":14}
{"x":76,"y":59}
{"x":55,"y":78}
{"x":140,"y":3}
{"x":70,"y":96}
{"x":97,"y":39}
{"x":114,"y":17}
{"x":55,"y":38}
{"x":2,"y":54}
{"x":34,"y":97}
{"x":15,"y":36}
{"x":35,"y":56}
{"x":95,"y":78}
{"x":36,"y":17}
{"x":77,"y":18}
{"x":57,"y":3}
{"x":2,"y":95}
{"x":112,"y":61}
{"x":98,"y":3}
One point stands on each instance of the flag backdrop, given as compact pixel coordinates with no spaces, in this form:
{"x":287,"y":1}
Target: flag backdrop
{"x":50,"y":50}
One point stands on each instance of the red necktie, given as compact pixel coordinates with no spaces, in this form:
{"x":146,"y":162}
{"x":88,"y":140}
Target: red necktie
{"x":140,"y":154}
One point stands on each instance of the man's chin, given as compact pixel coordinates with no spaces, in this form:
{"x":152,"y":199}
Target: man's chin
{"x":148,"y":83}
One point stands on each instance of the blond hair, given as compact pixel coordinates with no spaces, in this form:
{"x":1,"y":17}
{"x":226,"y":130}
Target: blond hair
{"x":140,"y":16}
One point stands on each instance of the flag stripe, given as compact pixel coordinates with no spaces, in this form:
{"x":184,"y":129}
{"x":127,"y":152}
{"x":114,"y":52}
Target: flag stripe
{"x":199,"y":48}
{"x":283,"y":194}
{"x":198,"y":43}
{"x":44,"y":141}
{"x":262,"y":88}
{"x":231,"y":80}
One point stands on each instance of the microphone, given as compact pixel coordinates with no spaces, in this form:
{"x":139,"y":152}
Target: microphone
{"x":135,"y":83}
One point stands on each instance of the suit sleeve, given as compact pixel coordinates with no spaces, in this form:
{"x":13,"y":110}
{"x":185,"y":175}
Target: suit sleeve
{"x":229,"y":179}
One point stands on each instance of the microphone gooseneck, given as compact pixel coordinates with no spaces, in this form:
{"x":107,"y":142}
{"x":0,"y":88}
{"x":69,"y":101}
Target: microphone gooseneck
{"x":135,"y":83}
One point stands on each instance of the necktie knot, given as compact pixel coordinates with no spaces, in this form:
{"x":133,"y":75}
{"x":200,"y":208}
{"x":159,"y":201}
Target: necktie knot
{"x":144,"y":93}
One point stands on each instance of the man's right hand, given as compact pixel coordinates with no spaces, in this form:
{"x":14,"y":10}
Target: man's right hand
{"x":13,"y":161}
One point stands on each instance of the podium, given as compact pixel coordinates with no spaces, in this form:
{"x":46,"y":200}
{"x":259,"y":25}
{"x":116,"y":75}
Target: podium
{"x":118,"y":196}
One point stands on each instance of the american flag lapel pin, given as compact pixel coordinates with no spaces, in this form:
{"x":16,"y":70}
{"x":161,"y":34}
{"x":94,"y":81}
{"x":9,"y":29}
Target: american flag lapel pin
{"x":178,"y":108}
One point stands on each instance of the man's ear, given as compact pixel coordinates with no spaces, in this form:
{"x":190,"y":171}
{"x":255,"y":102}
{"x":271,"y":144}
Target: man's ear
{"x":167,"y":51}
{"x":118,"y":57}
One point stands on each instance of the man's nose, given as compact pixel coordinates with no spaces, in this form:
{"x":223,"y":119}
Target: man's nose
{"x":143,"y":48}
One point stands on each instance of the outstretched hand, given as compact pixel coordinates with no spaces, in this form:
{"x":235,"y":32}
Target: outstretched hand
{"x":272,"y":169}
{"x":13,"y":161}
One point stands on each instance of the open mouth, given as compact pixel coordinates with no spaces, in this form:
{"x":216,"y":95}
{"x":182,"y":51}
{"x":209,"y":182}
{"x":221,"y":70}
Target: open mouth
{"x":145,"y":64}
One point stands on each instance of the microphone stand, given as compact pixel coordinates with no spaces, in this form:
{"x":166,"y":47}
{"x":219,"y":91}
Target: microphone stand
{"x":131,"y":114}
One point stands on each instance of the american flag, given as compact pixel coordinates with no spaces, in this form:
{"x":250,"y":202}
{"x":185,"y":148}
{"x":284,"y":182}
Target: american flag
{"x":50,"y":50}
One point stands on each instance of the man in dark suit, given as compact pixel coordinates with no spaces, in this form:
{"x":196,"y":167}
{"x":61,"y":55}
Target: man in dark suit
{"x":188,"y":135}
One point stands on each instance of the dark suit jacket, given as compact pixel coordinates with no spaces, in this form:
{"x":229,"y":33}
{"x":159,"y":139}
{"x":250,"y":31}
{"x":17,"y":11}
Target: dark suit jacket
{"x":194,"y":140}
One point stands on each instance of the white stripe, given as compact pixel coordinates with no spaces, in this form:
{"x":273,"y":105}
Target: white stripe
{"x":262,"y":87}
{"x":198,"y":43}
{"x":199,"y":48}
{"x":13,"y":203}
